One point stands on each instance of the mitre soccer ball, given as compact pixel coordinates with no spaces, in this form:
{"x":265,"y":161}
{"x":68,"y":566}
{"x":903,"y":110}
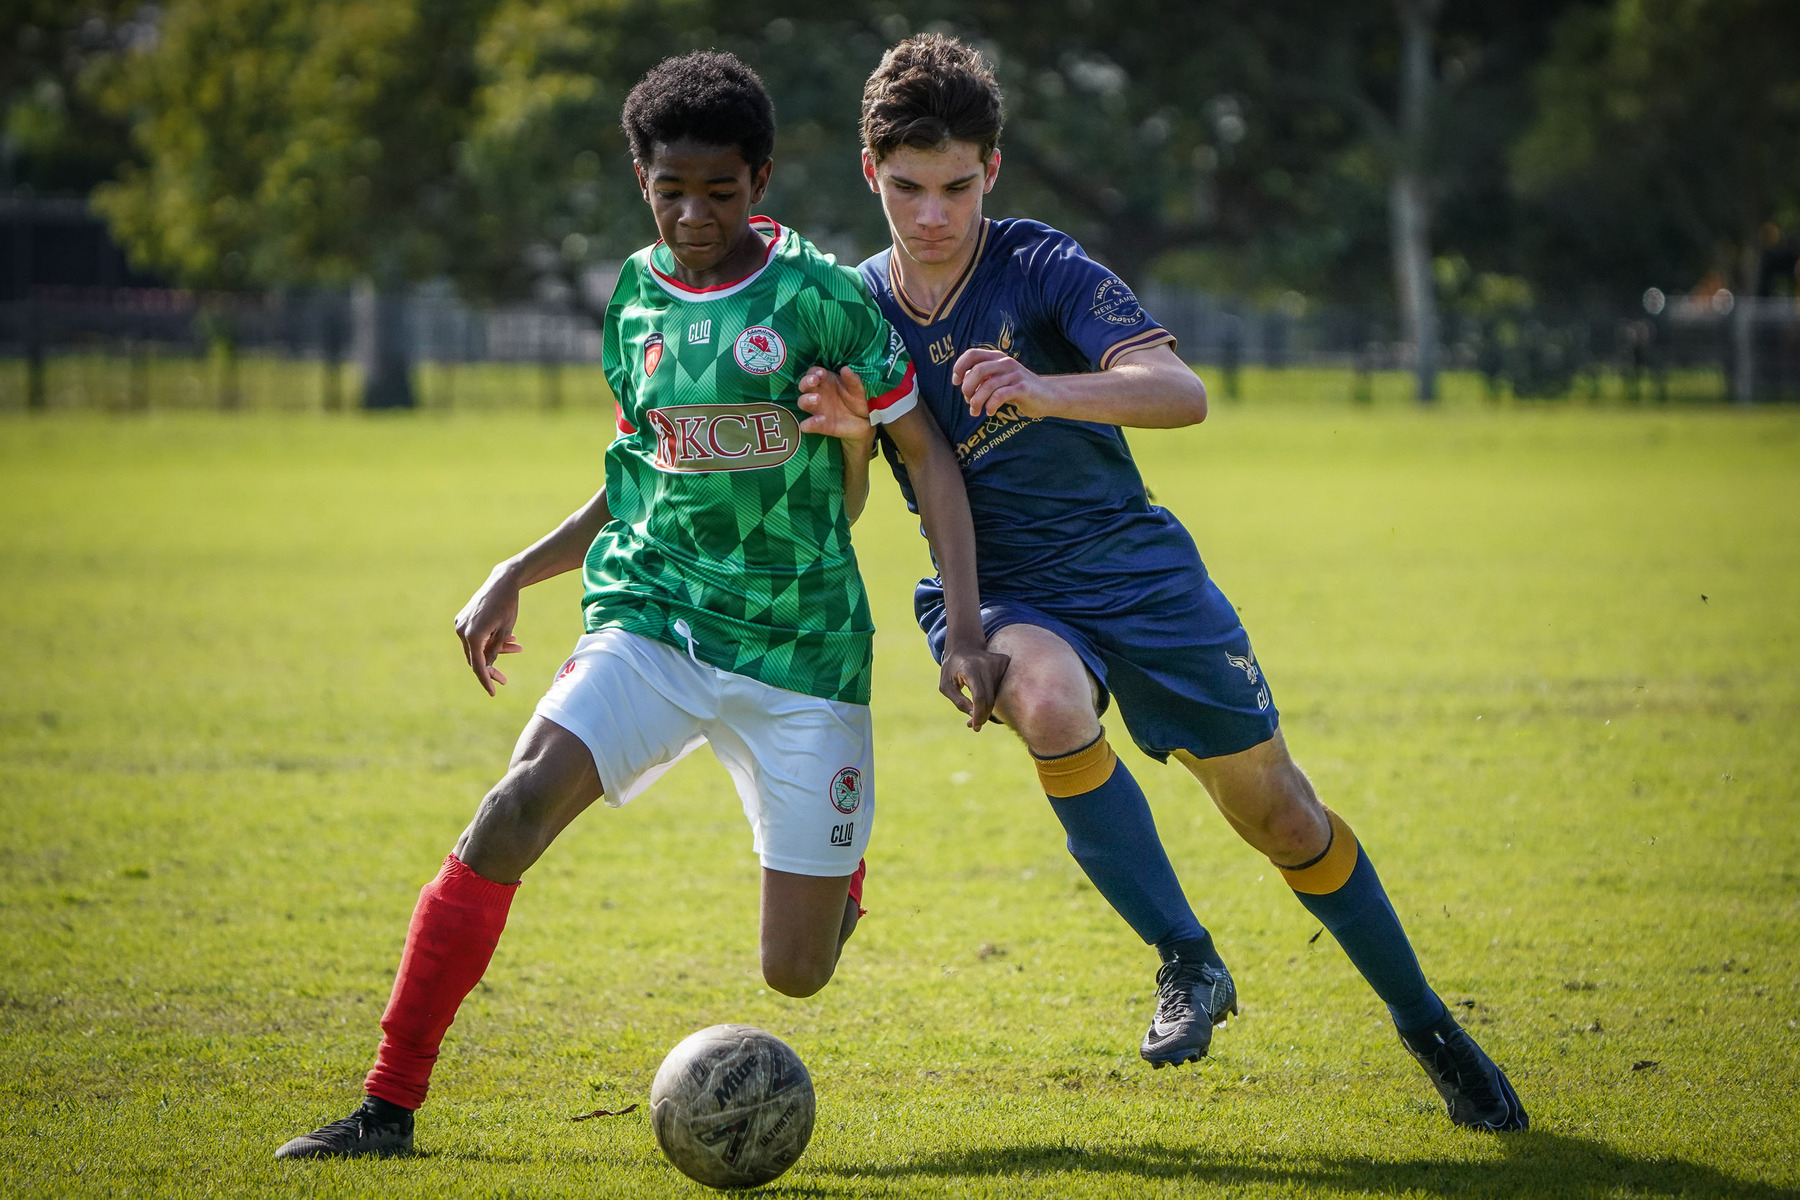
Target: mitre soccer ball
{"x":732,"y":1106}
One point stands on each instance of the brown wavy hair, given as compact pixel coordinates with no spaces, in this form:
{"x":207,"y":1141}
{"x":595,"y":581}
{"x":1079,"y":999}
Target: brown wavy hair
{"x":929,"y":91}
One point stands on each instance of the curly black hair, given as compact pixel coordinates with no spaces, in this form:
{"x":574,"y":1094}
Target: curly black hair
{"x":709,"y":96}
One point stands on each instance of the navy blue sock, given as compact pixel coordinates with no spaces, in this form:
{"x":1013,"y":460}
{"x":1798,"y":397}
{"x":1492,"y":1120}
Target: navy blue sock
{"x":1360,"y":917}
{"x":1113,"y":837}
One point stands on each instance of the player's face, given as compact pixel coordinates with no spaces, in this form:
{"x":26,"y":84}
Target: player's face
{"x":933,"y":197}
{"x":701,"y":196}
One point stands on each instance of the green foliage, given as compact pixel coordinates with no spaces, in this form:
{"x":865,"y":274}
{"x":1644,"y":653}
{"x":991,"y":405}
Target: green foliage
{"x":1242,"y":146}
{"x":240,"y":736}
{"x":52,"y":52}
{"x":1666,"y":134}
{"x":291,"y":143}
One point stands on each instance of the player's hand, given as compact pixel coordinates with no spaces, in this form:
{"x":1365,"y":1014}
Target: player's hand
{"x":979,"y":671}
{"x":838,"y":404}
{"x":989,"y":379}
{"x":485,"y":626}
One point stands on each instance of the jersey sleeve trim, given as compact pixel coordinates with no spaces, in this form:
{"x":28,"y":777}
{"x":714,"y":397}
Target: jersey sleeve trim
{"x":1156,"y":336}
{"x":895,"y":403}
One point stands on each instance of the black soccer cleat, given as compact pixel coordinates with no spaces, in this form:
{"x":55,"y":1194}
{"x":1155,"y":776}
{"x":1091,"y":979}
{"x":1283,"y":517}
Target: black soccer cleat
{"x":1191,"y":997}
{"x":1475,"y":1091}
{"x":375,"y":1128}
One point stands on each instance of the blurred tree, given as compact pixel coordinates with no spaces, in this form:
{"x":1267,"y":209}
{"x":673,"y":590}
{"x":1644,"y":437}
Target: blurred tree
{"x":1674,"y":125}
{"x":549,"y":161}
{"x":1435,"y":93}
{"x":1274,"y":143}
{"x":292,"y":142}
{"x":53,"y":138}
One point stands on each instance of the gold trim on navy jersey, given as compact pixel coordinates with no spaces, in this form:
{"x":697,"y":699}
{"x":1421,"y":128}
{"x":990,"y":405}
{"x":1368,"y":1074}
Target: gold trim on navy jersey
{"x":956,"y":290}
{"x":1156,"y":336}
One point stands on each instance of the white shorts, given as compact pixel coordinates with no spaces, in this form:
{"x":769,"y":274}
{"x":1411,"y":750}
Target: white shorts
{"x":804,"y":766}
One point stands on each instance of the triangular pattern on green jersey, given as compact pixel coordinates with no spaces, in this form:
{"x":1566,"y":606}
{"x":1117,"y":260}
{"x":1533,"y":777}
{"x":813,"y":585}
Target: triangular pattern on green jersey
{"x":757,"y":562}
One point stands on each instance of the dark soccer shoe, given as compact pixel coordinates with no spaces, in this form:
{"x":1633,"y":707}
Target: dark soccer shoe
{"x":1475,"y":1091}
{"x":375,"y":1128}
{"x":1191,"y":997}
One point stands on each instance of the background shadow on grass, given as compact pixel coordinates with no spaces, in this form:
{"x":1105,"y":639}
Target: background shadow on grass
{"x":1536,"y":1164}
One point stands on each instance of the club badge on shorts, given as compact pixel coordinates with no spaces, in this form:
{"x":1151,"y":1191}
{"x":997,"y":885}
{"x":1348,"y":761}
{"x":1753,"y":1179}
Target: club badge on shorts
{"x":759,"y":350}
{"x":846,"y":790}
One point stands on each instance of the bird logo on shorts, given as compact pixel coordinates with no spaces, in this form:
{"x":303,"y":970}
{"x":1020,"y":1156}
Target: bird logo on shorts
{"x":846,"y":790}
{"x":1247,"y":665}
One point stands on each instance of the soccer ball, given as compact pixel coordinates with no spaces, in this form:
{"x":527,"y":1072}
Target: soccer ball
{"x":732,"y":1106}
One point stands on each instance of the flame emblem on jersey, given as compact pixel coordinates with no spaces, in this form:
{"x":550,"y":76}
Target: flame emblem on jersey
{"x":760,"y":350}
{"x":653,"y":348}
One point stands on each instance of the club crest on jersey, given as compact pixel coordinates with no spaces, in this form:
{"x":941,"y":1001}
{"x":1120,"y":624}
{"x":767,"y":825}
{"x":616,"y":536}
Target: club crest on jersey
{"x":1114,"y":303}
{"x":723,"y":437}
{"x":760,"y":350}
{"x":653,"y":348}
{"x":846,"y":790}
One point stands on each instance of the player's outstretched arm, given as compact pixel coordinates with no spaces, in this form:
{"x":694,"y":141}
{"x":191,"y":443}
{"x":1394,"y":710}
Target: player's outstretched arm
{"x":839,"y":408}
{"x":944,"y":511}
{"x":485,"y":624}
{"x":1144,"y":389}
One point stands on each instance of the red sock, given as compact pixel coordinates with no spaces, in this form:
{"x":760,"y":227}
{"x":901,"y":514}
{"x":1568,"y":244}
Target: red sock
{"x":856,"y":882}
{"x":452,"y":936}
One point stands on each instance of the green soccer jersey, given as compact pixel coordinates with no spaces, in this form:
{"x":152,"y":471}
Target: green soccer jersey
{"x":729,"y":538}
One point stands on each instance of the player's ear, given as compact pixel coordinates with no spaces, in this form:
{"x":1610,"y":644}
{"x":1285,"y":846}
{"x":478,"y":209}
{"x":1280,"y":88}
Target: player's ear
{"x":637,"y":168}
{"x":868,"y":164}
{"x":759,"y":180}
{"x":993,"y":171}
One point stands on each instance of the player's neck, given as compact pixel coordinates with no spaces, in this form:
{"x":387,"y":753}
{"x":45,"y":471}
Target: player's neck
{"x":926,"y":284}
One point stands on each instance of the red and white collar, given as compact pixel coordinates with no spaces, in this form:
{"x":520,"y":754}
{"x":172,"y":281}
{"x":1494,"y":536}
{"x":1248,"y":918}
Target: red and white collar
{"x":768,"y":227}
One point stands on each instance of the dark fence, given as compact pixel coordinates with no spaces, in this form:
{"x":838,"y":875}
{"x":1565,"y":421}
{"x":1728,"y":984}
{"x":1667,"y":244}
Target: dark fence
{"x":1752,"y":349}
{"x":1712,"y":347}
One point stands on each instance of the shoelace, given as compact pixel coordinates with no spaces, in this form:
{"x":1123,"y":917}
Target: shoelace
{"x":1175,"y":983}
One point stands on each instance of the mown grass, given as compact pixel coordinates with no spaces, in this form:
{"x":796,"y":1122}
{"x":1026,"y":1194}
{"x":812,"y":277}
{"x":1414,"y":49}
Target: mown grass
{"x":1544,"y":662}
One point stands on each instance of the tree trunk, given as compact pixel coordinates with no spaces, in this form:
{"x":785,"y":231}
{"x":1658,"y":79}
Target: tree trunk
{"x":384,"y":343}
{"x":1409,"y":198}
{"x":1743,"y":321}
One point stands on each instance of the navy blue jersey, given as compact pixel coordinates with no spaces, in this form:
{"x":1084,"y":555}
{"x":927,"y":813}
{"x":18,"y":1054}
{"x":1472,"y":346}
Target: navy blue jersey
{"x":1066,"y":537}
{"x":1055,"y":501}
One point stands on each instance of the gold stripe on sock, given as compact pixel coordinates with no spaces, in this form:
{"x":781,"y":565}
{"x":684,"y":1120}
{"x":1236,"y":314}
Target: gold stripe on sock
{"x":1331,"y":870}
{"x":1082,"y":771}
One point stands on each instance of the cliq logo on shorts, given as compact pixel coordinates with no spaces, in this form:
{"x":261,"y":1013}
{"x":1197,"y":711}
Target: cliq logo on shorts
{"x":723,"y":437}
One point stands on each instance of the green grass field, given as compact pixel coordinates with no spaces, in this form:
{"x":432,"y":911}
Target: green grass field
{"x":1545,"y":662}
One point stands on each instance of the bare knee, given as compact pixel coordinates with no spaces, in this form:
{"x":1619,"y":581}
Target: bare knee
{"x":509,"y":831}
{"x":1294,"y":829}
{"x":517,"y":821}
{"x":1054,"y":716}
{"x":799,"y":975}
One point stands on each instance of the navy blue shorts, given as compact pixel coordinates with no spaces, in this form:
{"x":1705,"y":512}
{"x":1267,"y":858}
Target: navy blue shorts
{"x":1178,"y":663}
